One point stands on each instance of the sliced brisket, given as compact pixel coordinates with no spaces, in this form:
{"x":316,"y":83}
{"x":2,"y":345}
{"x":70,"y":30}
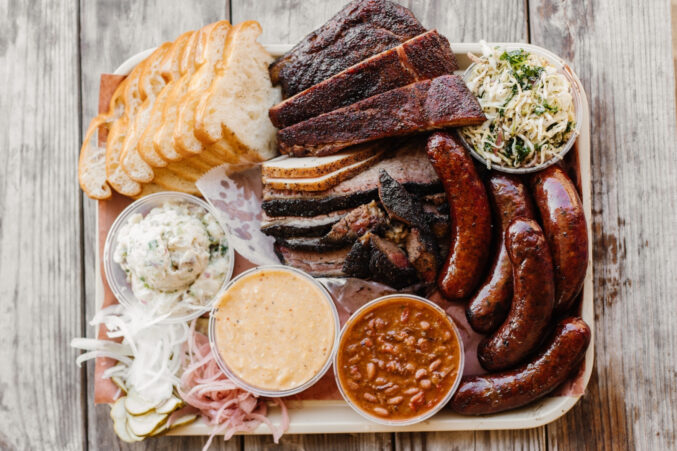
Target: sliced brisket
{"x":328,"y":264}
{"x":389,"y":264}
{"x":426,"y":105}
{"x":357,"y":260}
{"x":292,"y":226}
{"x":423,"y":254}
{"x":365,"y":218}
{"x":408,"y":165}
{"x":400,"y":204}
{"x":420,"y":58}
{"x":312,"y":244}
{"x":361,"y":29}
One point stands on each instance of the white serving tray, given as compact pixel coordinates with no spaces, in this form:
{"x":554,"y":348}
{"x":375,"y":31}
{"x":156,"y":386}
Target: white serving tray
{"x":322,"y":417}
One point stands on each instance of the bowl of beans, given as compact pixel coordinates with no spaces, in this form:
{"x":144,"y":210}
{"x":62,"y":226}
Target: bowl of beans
{"x":399,"y":360}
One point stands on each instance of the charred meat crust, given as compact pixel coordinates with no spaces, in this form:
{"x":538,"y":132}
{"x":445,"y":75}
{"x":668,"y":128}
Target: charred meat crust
{"x":423,"y":57}
{"x":497,"y":392}
{"x":357,"y":261}
{"x":400,"y":204}
{"x":423,"y":254}
{"x":361,"y":29}
{"x":389,"y":264}
{"x":361,"y":220}
{"x":426,"y":105}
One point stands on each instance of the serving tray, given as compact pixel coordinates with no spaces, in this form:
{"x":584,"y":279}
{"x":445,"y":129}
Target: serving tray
{"x":314,"y":417}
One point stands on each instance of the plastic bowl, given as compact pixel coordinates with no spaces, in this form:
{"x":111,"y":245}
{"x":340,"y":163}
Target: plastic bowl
{"x":427,"y":414}
{"x":116,"y":276}
{"x":258,"y":390}
{"x":565,"y":70}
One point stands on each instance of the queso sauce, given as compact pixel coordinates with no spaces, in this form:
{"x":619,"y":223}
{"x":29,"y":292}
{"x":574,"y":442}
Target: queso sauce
{"x":274,"y":329}
{"x":399,"y":359}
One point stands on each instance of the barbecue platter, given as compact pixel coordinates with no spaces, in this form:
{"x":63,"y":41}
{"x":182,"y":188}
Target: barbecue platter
{"x":421,"y":207}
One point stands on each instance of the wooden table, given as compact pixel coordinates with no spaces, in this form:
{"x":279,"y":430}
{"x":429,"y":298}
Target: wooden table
{"x":51,"y":55}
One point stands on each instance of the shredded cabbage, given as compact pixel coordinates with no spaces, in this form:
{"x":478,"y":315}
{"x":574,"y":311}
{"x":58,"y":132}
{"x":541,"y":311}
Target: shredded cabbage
{"x":528,"y":104}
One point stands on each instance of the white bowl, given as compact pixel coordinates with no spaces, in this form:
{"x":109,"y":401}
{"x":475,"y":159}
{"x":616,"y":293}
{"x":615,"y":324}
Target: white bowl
{"x":116,"y":276}
{"x":565,"y":70}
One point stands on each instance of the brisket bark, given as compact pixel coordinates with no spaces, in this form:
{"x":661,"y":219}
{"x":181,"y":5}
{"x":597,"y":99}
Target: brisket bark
{"x":409,"y":165}
{"x":361,"y":29}
{"x":365,"y":218}
{"x":423,"y":253}
{"x":420,"y":58}
{"x":426,"y":105}
{"x":357,"y":260}
{"x":389,"y":264}
{"x":400,"y":204}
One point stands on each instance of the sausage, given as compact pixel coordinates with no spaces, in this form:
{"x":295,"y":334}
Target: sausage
{"x":489,"y":306}
{"x":559,"y":358}
{"x":470,"y":216}
{"x":565,"y":229}
{"x":532,"y":301}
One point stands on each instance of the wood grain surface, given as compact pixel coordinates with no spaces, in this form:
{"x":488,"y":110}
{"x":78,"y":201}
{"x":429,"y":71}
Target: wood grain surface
{"x":51,"y":55}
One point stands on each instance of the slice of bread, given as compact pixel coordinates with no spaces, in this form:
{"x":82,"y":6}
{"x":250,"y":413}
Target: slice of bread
{"x":163,"y":140}
{"x":235,"y":107}
{"x":130,"y":159}
{"x":323,"y":182}
{"x":305,"y":167}
{"x":170,"y":70}
{"x":184,"y":136}
{"x":131,"y":99}
{"x":92,"y":161}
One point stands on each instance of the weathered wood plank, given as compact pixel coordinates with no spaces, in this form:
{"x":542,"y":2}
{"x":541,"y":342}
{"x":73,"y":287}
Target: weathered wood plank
{"x":40,"y":255}
{"x":287,"y":21}
{"x":112,"y":32}
{"x":621,"y":51}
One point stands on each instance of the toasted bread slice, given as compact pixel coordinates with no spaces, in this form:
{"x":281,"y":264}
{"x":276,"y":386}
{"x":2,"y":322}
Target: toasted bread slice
{"x":323,"y":182}
{"x":149,"y":188}
{"x":170,"y":70}
{"x":115,"y":175}
{"x":235,"y":108}
{"x":173,"y":182}
{"x":306,"y":167}
{"x":184,"y":136}
{"x":130,"y":159}
{"x":163,"y":140}
{"x":92,"y":162}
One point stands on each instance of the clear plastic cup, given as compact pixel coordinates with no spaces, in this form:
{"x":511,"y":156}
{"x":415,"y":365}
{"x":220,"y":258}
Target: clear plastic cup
{"x":116,"y":276}
{"x":426,"y":414}
{"x":237,"y":380}
{"x":576,"y":95}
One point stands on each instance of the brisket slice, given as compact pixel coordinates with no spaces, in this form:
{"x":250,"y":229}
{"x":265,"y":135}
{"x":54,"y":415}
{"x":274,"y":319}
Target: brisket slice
{"x":357,"y":260}
{"x":420,"y":58}
{"x":361,"y":29}
{"x":293,"y":226}
{"x":423,"y":254}
{"x":409,"y":165}
{"x":389,"y":264}
{"x":328,"y":264}
{"x":365,"y":218}
{"x":400,"y":204}
{"x":312,"y":244}
{"x":426,"y":105}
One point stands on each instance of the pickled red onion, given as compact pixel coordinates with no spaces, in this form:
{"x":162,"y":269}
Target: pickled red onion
{"x":225,"y":406}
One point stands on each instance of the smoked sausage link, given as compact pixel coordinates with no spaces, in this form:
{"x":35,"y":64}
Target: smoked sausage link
{"x":489,"y":306}
{"x":532,"y":302}
{"x":492,"y":393}
{"x":565,"y":229}
{"x":470,"y":216}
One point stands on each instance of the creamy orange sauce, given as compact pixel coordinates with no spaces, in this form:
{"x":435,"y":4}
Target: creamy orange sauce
{"x":274,"y":329}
